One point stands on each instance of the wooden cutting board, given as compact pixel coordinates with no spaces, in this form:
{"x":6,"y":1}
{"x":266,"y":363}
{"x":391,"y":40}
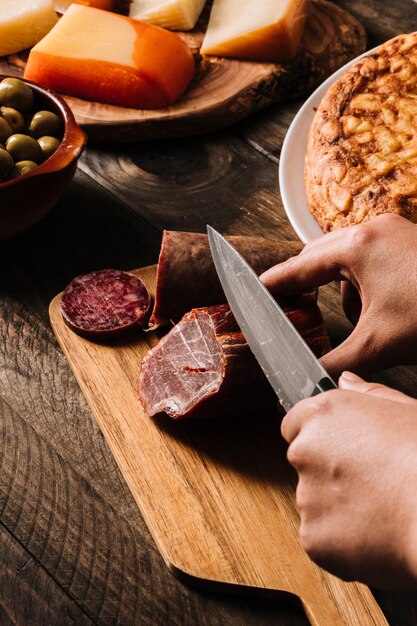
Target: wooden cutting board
{"x":218,"y":496}
{"x":226,"y":90}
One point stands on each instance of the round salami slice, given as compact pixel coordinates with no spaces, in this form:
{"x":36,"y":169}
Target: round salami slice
{"x":105,"y":304}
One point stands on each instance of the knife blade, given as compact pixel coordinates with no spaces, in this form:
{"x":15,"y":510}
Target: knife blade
{"x":290,"y":366}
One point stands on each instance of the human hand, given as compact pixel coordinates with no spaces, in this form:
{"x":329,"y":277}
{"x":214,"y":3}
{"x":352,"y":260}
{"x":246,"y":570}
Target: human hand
{"x":377,"y":262}
{"x":355,"y":451}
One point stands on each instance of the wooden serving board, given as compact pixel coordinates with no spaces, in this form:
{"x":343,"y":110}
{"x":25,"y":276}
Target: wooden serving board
{"x":226,"y":90}
{"x":218,"y":496}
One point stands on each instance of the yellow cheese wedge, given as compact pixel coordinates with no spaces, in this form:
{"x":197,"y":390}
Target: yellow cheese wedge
{"x":99,"y":55}
{"x":172,"y":14}
{"x":24,"y":22}
{"x":264,"y":30}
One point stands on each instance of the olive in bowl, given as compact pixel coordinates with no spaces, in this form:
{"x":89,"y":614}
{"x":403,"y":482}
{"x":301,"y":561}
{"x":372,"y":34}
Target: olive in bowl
{"x":40,"y":144}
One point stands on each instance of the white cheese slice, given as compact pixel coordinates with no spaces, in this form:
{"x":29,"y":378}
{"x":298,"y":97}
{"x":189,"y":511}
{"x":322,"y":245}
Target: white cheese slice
{"x":24,"y":22}
{"x":62,"y":5}
{"x":171,"y":14}
{"x":268,"y":30}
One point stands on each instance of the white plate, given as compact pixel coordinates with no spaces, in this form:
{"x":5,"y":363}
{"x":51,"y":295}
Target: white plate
{"x":291,"y":164}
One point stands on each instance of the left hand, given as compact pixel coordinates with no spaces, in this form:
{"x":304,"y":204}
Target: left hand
{"x":376,"y":262}
{"x":355,"y":451}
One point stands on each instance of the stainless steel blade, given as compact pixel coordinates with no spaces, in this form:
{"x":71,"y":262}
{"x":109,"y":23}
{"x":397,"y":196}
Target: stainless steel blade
{"x":290,"y":366}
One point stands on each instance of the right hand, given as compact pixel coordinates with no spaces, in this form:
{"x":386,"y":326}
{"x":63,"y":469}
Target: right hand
{"x":354,"y":449}
{"x":377,"y":264}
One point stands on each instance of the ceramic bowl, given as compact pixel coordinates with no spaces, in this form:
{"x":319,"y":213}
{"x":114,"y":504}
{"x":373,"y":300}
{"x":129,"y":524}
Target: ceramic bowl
{"x":27,"y":199}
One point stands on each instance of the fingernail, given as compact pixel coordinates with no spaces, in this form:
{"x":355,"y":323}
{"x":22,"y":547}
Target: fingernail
{"x":350,"y":376}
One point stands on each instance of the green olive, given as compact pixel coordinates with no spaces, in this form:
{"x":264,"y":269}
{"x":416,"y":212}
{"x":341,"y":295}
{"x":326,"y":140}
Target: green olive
{"x":48,"y":145}
{"x":16,"y":94}
{"x":5,"y":129}
{"x":22,"y":167}
{"x":24,"y":148}
{"x":45,"y":123}
{"x":6,"y":164}
{"x":14,"y":117}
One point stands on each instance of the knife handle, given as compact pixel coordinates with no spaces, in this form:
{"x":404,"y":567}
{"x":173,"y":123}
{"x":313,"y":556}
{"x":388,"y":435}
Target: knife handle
{"x":324,"y":384}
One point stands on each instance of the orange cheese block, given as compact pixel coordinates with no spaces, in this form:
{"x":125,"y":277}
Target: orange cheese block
{"x":97,"y":55}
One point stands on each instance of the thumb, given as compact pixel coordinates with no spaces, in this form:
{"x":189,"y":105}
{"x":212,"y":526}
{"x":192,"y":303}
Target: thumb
{"x":351,"y":382}
{"x":364,"y":350}
{"x":355,"y":353}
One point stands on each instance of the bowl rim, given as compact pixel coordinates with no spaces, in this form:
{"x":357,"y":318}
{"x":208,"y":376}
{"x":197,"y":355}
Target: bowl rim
{"x":73,"y":140}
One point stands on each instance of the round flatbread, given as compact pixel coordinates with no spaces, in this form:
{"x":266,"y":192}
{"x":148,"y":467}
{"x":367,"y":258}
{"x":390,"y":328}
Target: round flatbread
{"x":361,"y":156}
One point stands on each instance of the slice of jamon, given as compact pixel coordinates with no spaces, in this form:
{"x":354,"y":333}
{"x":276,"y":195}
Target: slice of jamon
{"x":104,"y":304}
{"x":186,"y":276}
{"x":204,"y":368}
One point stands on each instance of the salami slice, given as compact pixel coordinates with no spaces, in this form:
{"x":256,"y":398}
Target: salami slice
{"x":204,"y":368}
{"x":105,"y":304}
{"x":186,"y":276}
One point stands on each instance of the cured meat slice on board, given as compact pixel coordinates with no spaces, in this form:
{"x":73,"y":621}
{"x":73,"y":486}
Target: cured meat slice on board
{"x":105,"y":304}
{"x":204,"y":368}
{"x":186,"y":277}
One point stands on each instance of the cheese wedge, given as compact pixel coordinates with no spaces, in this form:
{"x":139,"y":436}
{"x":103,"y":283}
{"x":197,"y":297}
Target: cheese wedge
{"x":23,"y":23}
{"x":62,"y":5}
{"x":98,"y":55}
{"x":172,"y":14}
{"x":263,"y":30}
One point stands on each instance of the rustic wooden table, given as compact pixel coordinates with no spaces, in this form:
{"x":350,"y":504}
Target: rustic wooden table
{"x":74,"y":548}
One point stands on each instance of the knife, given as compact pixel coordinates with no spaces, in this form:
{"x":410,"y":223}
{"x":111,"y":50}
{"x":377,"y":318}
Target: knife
{"x":288,"y":363}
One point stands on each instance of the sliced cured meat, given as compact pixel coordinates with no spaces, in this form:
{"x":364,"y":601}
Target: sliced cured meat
{"x":186,"y":276}
{"x":204,"y":368}
{"x":105,"y":303}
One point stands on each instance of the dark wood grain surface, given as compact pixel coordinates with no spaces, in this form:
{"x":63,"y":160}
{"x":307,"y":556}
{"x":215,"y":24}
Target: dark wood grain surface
{"x":74,"y":548}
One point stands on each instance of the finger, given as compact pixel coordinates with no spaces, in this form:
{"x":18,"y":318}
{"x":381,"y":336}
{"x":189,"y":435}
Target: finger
{"x":321,"y":262}
{"x":352,"y":382}
{"x":333,"y":237}
{"x":291,"y":423}
{"x":294,"y":420}
{"x":351,"y":301}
